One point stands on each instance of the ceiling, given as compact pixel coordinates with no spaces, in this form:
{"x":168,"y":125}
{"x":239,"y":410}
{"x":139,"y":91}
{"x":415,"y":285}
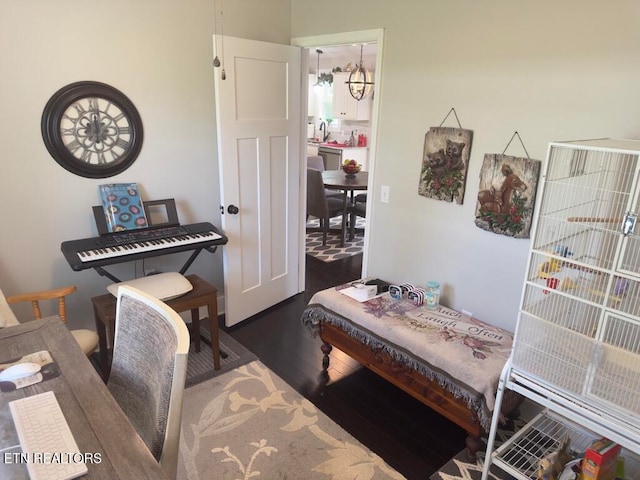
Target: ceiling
{"x":339,"y":56}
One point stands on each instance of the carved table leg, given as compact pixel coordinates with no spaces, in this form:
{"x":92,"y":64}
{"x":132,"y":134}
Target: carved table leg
{"x":326,"y":350}
{"x":474,"y":445}
{"x":323,"y":378}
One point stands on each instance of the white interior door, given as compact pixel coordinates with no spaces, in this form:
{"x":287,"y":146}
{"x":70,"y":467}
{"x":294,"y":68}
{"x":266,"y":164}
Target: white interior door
{"x":259,"y":132}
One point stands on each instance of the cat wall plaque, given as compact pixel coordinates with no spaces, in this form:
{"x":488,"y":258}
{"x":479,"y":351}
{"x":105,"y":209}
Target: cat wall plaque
{"x":445,"y":160}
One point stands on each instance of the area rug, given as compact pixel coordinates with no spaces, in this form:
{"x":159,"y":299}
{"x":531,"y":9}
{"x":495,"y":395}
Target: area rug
{"x":459,"y":468}
{"x":200,"y":365}
{"x":249,"y":423}
{"x":332,"y":250}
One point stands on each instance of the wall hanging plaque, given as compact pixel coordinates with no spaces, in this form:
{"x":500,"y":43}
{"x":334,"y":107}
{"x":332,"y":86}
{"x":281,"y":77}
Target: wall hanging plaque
{"x":445,"y":160}
{"x":507,"y":194}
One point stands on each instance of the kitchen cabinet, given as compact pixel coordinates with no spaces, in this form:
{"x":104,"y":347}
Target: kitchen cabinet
{"x":576,"y":350}
{"x":344,"y":105}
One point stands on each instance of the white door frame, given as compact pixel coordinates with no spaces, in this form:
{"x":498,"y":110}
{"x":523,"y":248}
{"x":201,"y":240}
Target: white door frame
{"x":344,"y":38}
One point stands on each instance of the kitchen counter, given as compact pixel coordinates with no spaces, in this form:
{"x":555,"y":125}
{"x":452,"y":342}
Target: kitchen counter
{"x":313,"y":147}
{"x":337,"y":145}
{"x":335,"y":154}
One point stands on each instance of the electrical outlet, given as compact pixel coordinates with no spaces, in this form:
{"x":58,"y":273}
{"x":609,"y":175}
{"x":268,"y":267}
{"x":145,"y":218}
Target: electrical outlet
{"x":384,"y":194}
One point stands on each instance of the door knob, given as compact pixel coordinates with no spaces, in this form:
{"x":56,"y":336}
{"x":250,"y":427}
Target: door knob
{"x":232,"y":209}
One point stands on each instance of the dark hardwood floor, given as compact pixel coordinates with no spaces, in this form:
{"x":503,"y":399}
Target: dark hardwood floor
{"x":407,"y":435}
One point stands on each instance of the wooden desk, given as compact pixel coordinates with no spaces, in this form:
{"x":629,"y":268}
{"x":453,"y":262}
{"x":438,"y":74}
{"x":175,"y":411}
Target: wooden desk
{"x":203,"y":295}
{"x":338,"y":180}
{"x":94,"y":417}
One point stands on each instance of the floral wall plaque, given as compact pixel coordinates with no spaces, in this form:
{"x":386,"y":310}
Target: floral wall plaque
{"x":445,"y":160}
{"x":507,"y":194}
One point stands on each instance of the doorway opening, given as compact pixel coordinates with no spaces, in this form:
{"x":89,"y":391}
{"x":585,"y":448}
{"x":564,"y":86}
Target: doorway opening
{"x":338,"y":128}
{"x":329,"y":120}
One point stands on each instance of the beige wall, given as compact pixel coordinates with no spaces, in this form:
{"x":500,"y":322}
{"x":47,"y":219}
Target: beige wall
{"x":553,"y":70}
{"x":550,"y":69}
{"x":159,"y":53}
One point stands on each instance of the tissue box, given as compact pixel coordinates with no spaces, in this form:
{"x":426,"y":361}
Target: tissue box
{"x":360,"y":292}
{"x":600,"y":460}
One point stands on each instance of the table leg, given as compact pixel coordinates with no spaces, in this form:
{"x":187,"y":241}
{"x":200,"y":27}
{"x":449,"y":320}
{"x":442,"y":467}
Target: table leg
{"x":344,"y":219}
{"x":212,"y":307}
{"x":195,"y":327}
{"x":101,"y":330}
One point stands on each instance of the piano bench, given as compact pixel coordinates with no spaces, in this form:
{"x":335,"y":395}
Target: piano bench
{"x":203,"y":295}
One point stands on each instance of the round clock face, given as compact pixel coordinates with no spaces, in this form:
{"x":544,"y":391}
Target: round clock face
{"x":92,"y":129}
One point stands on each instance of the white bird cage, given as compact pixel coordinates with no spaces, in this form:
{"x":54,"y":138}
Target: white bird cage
{"x":579,"y":326}
{"x":577,"y":341}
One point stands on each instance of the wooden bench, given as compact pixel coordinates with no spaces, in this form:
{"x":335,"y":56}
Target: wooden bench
{"x":387,"y":336}
{"x":203,"y":295}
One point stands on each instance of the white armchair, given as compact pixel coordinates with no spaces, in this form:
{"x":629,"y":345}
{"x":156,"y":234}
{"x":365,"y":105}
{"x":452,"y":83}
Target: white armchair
{"x":87,"y":339}
{"x":7,"y":318}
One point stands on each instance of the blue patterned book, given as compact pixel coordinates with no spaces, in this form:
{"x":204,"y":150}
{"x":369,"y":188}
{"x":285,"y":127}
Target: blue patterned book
{"x":122,"y":206}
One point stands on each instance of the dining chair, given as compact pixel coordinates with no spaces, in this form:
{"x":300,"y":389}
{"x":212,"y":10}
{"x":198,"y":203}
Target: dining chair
{"x":317,"y":162}
{"x":319,"y":205}
{"x":358,"y":209}
{"x":87,"y":339}
{"x":361,"y":197}
{"x":148,"y":371}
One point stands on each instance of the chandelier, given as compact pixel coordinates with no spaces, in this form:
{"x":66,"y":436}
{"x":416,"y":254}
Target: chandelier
{"x":360,"y":83}
{"x":317,"y":84}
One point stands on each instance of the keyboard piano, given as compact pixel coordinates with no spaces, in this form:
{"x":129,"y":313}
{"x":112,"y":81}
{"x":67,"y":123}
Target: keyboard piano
{"x":137,"y":244}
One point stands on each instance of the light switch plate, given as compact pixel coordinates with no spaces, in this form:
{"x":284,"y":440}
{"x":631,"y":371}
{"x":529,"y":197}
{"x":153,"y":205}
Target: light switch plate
{"x":384,"y":194}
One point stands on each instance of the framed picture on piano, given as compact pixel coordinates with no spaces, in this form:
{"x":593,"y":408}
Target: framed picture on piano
{"x":159,"y":213}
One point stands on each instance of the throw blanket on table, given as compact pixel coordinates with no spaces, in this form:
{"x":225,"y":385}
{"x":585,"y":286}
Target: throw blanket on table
{"x":464,"y":355}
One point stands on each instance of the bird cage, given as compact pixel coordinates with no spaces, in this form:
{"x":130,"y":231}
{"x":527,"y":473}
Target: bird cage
{"x":578,"y":330}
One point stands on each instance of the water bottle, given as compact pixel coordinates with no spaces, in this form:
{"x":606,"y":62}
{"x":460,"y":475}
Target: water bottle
{"x":432,"y":295}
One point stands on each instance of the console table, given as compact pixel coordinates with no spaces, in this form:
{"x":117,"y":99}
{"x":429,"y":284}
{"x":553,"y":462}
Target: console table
{"x":445,"y":359}
{"x":203,"y":295}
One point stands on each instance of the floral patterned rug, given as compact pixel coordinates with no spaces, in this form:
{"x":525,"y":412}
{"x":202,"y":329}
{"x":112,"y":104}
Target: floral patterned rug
{"x":248,"y":423}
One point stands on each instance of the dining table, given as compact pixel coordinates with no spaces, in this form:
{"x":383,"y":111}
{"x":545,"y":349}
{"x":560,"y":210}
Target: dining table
{"x":99,"y":426}
{"x":348,"y":184}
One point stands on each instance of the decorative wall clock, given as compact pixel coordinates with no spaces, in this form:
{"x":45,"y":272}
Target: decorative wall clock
{"x":92,"y":129}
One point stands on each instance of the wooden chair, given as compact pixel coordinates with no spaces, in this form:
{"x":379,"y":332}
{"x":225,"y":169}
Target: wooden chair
{"x":87,"y":339}
{"x":7,"y":317}
{"x":318,"y":204}
{"x":149,"y":370}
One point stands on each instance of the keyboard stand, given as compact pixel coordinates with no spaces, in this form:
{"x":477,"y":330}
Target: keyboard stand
{"x":103,"y":273}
